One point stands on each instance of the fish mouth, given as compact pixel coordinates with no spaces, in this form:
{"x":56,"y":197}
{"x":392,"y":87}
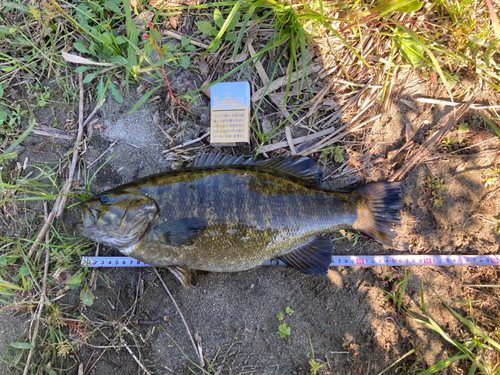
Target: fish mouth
{"x":88,"y":221}
{"x":88,"y":216}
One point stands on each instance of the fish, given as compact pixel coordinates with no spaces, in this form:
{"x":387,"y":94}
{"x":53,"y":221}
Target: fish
{"x":229,"y":214}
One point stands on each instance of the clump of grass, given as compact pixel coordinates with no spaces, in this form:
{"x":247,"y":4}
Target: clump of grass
{"x":397,"y":295}
{"x":350,"y":235}
{"x":474,"y":350}
{"x":283,"y":330}
{"x":436,"y":188}
{"x":314,"y":364}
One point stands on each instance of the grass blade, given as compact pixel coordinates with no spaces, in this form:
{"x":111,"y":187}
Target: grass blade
{"x":402,"y":289}
{"x":21,"y":137}
{"x":472,"y":327}
{"x":491,"y":124}
{"x":224,"y":27}
{"x":144,"y":98}
{"x":444,"y":363}
{"x":417,"y":40}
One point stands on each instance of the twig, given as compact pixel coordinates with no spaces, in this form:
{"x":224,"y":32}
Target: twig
{"x":455,"y":104}
{"x":178,"y":36}
{"x":317,"y":147}
{"x":276,"y":84}
{"x":289,"y":139}
{"x":135,"y":358}
{"x":67,"y":186}
{"x":44,"y":230}
{"x":319,"y":98}
{"x":188,"y":142}
{"x":45,"y":131}
{"x":326,"y":141}
{"x":297,"y":140}
{"x":98,"y":106}
{"x":449,"y":121}
{"x":202,"y":362}
{"x":357,"y":84}
{"x":47,"y":258}
{"x":91,"y":164}
{"x":258,"y":65}
{"x":43,"y":298}
{"x":34,"y":336}
{"x":327,"y":133}
{"x":61,"y":199}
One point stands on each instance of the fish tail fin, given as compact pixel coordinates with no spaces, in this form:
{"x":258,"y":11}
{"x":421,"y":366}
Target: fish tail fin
{"x":378,"y":214}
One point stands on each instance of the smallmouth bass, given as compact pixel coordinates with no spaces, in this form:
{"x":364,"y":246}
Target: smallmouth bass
{"x":227,"y":214}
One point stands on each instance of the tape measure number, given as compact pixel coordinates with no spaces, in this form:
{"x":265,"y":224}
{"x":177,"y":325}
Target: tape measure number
{"x":338,"y":261}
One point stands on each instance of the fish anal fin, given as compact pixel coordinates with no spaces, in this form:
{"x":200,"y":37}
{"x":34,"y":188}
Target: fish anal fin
{"x":179,"y":232}
{"x":312,"y":258}
{"x":185,"y":275}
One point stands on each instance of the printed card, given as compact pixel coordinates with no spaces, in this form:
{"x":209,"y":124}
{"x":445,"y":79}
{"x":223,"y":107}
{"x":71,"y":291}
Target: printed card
{"x":230,"y":114}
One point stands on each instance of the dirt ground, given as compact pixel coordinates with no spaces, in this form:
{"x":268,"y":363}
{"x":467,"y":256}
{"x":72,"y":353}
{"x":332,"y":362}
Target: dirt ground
{"x":344,"y":320}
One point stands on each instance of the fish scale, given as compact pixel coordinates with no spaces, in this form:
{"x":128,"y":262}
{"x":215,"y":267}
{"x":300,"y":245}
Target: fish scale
{"x":235,"y":217}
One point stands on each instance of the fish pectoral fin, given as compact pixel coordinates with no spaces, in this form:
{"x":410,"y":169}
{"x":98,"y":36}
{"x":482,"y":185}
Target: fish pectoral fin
{"x":185,"y":275}
{"x":182,"y":231}
{"x":312,"y":258}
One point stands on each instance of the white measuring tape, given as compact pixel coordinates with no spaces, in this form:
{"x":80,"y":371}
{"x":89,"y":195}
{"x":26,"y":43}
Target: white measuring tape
{"x":339,"y":261}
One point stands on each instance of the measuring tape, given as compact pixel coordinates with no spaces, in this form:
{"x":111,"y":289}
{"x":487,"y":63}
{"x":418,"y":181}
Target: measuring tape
{"x":338,"y":261}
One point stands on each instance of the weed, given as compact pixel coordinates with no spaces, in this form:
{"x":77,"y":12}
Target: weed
{"x":208,"y":29}
{"x":463,"y":127}
{"x":448,"y":142}
{"x":349,"y":234}
{"x":472,"y":349}
{"x":280,"y":315}
{"x":490,"y":182}
{"x":184,"y":60}
{"x":402,"y":369}
{"x":497,"y":218}
{"x":491,"y":125}
{"x":436,"y":187}
{"x":283,"y":330}
{"x":399,"y":291}
{"x":338,"y":154}
{"x":313,"y":363}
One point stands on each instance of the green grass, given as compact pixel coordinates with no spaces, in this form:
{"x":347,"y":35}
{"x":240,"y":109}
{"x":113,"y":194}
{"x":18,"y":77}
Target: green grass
{"x":472,"y":349}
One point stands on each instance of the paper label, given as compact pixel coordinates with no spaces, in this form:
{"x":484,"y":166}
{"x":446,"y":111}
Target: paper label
{"x":230,"y":113}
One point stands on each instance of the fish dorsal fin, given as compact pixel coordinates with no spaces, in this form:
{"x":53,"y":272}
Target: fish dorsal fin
{"x":312,"y":258}
{"x":210,"y":160}
{"x":178,"y":232}
{"x":185,"y":275}
{"x":301,"y":168}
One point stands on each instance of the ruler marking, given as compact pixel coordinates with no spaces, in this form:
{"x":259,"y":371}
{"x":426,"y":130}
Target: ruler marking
{"x":338,"y":261}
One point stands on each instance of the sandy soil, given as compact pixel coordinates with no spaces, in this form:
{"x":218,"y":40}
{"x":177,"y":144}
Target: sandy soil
{"x":344,"y":318}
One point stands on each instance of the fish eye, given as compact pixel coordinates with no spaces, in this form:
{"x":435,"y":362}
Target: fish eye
{"x":105,"y":199}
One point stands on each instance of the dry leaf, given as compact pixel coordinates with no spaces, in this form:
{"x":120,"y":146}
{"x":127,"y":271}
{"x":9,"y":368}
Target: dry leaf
{"x":174,"y":22}
{"x":204,"y":68}
{"x":82,"y":60}
{"x":135,"y":4}
{"x":206,"y":91}
{"x":164,"y":4}
{"x":239,"y":58}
